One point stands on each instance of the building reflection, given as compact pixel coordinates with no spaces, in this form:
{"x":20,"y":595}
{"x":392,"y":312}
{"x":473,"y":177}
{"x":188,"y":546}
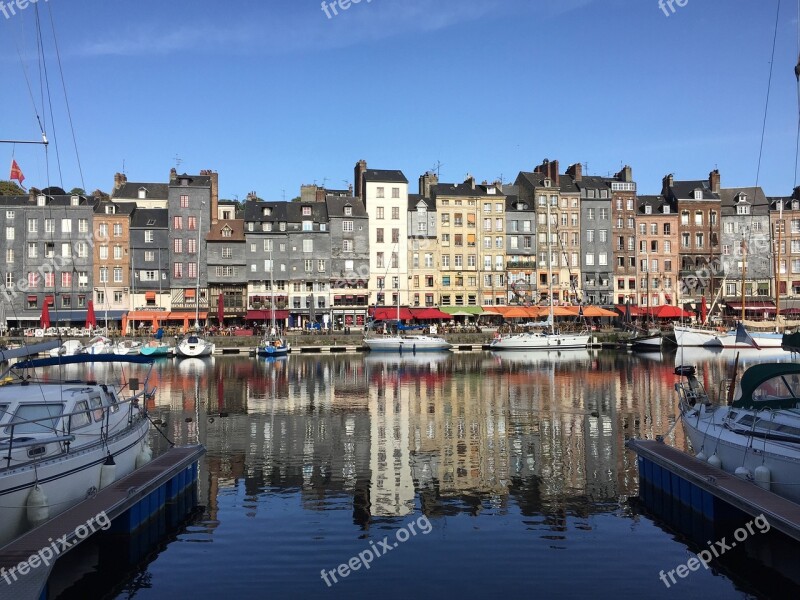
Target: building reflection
{"x":542,"y":432}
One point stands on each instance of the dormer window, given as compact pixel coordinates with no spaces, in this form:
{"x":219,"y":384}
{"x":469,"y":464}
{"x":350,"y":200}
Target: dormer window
{"x":184,"y":181}
{"x":41,"y":200}
{"x":110,"y":209}
{"x":306,"y":211}
{"x":227,"y":231}
{"x":348,"y":211}
{"x":742,"y":198}
{"x":648,"y":210}
{"x":151,"y":222}
{"x":75,"y":200}
{"x":142,"y":193}
{"x":795,"y":204}
{"x":743,"y":209}
{"x":698,"y":194}
{"x":547,"y":182}
{"x":267,"y":211}
{"x":666,"y":209}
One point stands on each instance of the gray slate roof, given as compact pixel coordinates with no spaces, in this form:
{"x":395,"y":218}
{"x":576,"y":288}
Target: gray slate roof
{"x":130,"y":190}
{"x":150,"y":218}
{"x":390,"y":176}
{"x":336,"y":206}
{"x":755,"y":197}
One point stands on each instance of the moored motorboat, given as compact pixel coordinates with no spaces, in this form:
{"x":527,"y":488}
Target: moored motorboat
{"x":156,"y":349}
{"x":128,"y":348}
{"x":99,"y":345}
{"x":273,"y":347}
{"x":68,"y":348}
{"x":63,"y":440}
{"x":406,"y":343}
{"x":756,"y":436}
{"x":193,"y":346}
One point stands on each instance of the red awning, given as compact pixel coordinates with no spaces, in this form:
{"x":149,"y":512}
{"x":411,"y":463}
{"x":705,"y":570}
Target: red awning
{"x":148,"y":296}
{"x":32,"y":298}
{"x":670,"y":312}
{"x":756,"y":306}
{"x":389,"y":313}
{"x":266,"y":315}
{"x":430,"y":314}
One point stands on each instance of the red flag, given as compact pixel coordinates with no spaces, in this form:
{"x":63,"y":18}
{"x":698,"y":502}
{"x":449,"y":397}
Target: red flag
{"x":45,"y":318}
{"x":91,"y":321}
{"x":16,"y":172}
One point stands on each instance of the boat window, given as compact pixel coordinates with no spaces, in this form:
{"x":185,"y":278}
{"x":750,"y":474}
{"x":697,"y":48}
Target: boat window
{"x":80,"y":419}
{"x":778,"y":388}
{"x":45,"y":415}
{"x":3,"y":411}
{"x":97,"y":407}
{"x":193,"y":340}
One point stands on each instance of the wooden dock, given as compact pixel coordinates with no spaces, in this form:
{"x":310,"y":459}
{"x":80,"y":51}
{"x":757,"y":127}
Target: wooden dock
{"x":709,"y":490}
{"x":126,"y":503}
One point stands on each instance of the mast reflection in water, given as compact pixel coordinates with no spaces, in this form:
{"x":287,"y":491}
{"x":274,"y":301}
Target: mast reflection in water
{"x":518,"y":461}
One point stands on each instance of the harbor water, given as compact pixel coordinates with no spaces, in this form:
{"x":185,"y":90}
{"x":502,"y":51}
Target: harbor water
{"x":472,"y":475}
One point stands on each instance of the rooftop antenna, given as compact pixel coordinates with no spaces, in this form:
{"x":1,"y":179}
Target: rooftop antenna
{"x":324,"y":181}
{"x":438,"y":168}
{"x":501,"y":180}
{"x":284,"y":195}
{"x":178,"y":162}
{"x":123,"y":166}
{"x":586,"y":168}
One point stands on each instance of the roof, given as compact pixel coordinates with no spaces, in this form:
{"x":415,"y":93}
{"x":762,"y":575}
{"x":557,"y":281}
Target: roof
{"x":566,"y":182}
{"x":656,"y":203}
{"x":336,"y":206}
{"x":755,"y":197}
{"x":465,"y":189}
{"x":120,"y":208}
{"x":235,"y":225}
{"x":415,"y":199}
{"x":593,"y":182}
{"x":254,"y":211}
{"x":379,"y":176}
{"x":511,"y":205}
{"x":130,"y":190}
{"x":65,"y":200}
{"x":319,"y":212}
{"x":684,"y":190}
{"x":150,"y":218}
{"x":194,"y":180}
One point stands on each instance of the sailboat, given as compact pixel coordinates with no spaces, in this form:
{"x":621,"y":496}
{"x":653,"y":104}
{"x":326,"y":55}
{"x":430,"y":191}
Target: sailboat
{"x":650,"y":340}
{"x":192,"y":345}
{"x":272,"y":346}
{"x":156,"y":347}
{"x":551,"y":340}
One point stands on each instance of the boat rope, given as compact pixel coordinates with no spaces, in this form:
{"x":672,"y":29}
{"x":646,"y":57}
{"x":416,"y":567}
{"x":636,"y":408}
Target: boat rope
{"x":158,"y":429}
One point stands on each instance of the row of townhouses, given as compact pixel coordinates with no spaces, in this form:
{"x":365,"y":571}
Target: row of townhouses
{"x":153,"y":252}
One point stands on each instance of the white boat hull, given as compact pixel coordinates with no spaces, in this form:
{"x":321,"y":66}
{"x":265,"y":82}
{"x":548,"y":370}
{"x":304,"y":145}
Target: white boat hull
{"x":197,"y":349}
{"x":409,"y":343}
{"x":696,"y":336}
{"x":540,"y":341}
{"x":65,"y":480}
{"x":650,"y":343}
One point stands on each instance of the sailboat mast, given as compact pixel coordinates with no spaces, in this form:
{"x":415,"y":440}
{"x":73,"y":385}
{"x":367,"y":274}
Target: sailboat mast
{"x":744,"y":273}
{"x":550,"y":269}
{"x":197,"y":279}
{"x":271,"y":285}
{"x":778,"y":264}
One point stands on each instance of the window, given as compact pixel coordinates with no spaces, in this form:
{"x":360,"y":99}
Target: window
{"x":602,"y":259}
{"x":458,"y":261}
{"x":589,"y":259}
{"x":648,"y":210}
{"x":379,"y":193}
{"x":379,"y":260}
{"x":192,"y":223}
{"x":698,"y":217}
{"x":321,"y":265}
{"x":117,"y":274}
{"x":379,"y":212}
{"x":306,"y":211}
{"x":667,"y":229}
{"x":590,"y":235}
{"x":117,"y":297}
{"x":83,"y":279}
{"x":66,"y":225}
{"x":66,"y":250}
{"x":177,"y":246}
{"x":33,"y":226}
{"x":66,"y":279}
{"x":685,"y":217}
{"x":395,"y":192}
{"x":698,"y":240}
{"x":395,"y":236}
{"x":117,"y":252}
{"x":395,"y":259}
{"x":184,"y":201}
{"x":347,"y":245}
{"x":9,"y":233}
{"x":192,"y":270}
{"x":103,"y":274}
{"x":148,"y":236}
{"x":348,"y":211}
{"x":83,"y":225}
{"x":667,"y":267}
{"x":590,"y":214}
{"x":117,"y":229}
{"x":177,"y":222}
{"x":10,"y":215}
{"x":498,"y":224}
{"x":604,"y":214}
{"x":685,"y":240}
{"x":379,"y":235}
{"x":33,"y":249}
{"x":49,"y":225}
{"x":667,"y":247}
{"x":653,"y":228}
{"x":347,"y":226}
{"x":445,"y":261}
{"x":743,"y":209}
{"x":395,"y":213}
{"x":308,"y":265}
{"x":191,"y":246}
{"x":104,"y":251}
{"x":227,"y":252}
{"x":308,"y":226}
{"x":308,"y":246}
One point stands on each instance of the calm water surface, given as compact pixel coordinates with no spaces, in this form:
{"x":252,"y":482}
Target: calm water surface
{"x":513,"y":464}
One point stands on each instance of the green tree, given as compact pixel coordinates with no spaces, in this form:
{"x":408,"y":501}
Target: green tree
{"x":9,"y":188}
{"x":77,"y":191}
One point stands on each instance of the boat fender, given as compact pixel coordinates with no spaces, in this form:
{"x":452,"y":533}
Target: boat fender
{"x":36,"y":505}
{"x":145,"y":455}
{"x":763,"y":477}
{"x":108,"y":472}
{"x":715,"y":461}
{"x":701,"y":456}
{"x":743,"y":473}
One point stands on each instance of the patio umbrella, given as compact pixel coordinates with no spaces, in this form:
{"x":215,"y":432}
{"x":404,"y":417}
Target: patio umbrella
{"x":91,"y":320}
{"x":221,"y":309}
{"x":596,"y":311}
{"x":516,"y":313}
{"x":45,"y":318}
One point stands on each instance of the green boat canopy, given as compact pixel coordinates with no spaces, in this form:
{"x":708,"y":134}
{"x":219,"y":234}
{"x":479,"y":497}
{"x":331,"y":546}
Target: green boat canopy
{"x":770,"y":385}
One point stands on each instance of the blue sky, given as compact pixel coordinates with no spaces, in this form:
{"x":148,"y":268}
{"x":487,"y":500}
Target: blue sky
{"x":275,"y":94}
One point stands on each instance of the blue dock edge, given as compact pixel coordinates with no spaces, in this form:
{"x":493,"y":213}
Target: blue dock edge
{"x":141,"y":512}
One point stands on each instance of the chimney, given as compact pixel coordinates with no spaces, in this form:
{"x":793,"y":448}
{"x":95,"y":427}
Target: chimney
{"x":426,"y":182}
{"x":667,"y":183}
{"x":214,"y":195}
{"x":470,"y":181}
{"x":120,"y":179}
{"x":549,"y":169}
{"x":625,"y":175}
{"x":173,"y":174}
{"x":576,"y":171}
{"x":320,"y":195}
{"x":358,"y":173}
{"x":714,"y":181}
